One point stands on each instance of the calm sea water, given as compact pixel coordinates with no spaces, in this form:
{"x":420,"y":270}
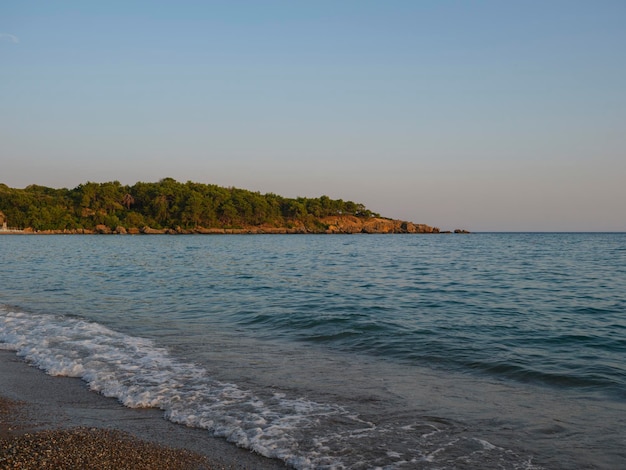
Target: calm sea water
{"x":390,"y":351}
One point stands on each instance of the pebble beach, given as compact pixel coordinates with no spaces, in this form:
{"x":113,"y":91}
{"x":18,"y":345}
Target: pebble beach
{"x":93,"y":449}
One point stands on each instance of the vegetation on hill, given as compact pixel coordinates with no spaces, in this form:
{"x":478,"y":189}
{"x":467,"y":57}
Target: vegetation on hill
{"x":162,"y":205}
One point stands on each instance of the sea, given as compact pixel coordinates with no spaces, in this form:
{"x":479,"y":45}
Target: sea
{"x":447,"y":351}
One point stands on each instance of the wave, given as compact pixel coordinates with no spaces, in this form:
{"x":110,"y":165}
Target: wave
{"x":303,"y":433}
{"x":140,"y":374}
{"x":555,"y":359}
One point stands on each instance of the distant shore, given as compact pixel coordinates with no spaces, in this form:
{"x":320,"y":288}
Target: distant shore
{"x":168,"y":206}
{"x":331,"y":225}
{"x":56,"y":422}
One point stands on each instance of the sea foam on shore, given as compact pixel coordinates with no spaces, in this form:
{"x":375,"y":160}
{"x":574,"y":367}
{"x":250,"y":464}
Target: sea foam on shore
{"x":53,"y":422}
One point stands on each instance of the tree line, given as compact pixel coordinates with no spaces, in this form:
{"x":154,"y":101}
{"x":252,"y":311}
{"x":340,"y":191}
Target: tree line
{"x":161,"y":205}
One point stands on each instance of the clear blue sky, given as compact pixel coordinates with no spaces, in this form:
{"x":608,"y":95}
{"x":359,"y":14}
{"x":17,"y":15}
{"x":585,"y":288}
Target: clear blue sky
{"x":485,"y":115}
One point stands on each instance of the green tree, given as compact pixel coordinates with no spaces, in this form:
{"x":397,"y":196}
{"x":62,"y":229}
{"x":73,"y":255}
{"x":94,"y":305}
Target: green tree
{"x":165,"y":203}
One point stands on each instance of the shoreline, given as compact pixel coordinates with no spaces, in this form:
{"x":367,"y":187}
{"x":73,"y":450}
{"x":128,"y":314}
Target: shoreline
{"x":224,"y":231}
{"x":339,"y":224}
{"x":60,"y":413}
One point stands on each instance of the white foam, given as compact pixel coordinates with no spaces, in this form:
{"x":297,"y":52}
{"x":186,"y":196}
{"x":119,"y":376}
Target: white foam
{"x":140,"y":374}
{"x":486,"y":445}
{"x":304,"y":433}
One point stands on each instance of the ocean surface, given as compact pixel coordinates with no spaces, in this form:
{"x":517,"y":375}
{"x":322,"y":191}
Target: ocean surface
{"x":490,"y":351}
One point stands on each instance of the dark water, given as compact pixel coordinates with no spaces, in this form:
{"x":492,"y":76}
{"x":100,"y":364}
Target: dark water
{"x":390,"y":351}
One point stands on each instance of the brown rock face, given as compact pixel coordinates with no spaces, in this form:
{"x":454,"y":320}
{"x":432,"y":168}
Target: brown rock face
{"x":151,"y":231}
{"x":352,"y":224}
{"x":340,"y":224}
{"x":102,"y":229}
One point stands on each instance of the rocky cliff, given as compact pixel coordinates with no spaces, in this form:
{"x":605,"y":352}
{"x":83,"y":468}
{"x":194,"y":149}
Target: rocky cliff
{"x":352,"y":224}
{"x":340,"y":224}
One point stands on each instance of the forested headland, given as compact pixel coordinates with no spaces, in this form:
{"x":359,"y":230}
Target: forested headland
{"x":169,"y":206}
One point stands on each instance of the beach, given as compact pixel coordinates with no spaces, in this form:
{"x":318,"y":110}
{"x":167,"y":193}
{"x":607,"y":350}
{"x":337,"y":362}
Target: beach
{"x":57,"y":422}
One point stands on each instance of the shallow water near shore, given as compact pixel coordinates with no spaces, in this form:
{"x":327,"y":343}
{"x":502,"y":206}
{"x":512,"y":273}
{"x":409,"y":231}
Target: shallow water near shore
{"x":390,"y":351}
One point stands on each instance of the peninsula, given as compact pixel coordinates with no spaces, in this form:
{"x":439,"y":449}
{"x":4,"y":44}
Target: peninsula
{"x":171,"y":207}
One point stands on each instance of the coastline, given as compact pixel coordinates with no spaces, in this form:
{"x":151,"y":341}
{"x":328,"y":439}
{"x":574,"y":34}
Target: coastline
{"x":61,"y":417}
{"x":341,"y":224}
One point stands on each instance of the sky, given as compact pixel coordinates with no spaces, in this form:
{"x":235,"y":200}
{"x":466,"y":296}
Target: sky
{"x":481,"y":115}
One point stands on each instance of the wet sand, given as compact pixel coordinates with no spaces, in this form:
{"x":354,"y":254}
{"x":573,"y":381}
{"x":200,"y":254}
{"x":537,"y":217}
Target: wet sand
{"x":58,"y":423}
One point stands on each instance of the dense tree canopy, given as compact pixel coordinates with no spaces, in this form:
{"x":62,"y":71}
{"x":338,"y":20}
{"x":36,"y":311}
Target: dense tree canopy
{"x":165,"y":204}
